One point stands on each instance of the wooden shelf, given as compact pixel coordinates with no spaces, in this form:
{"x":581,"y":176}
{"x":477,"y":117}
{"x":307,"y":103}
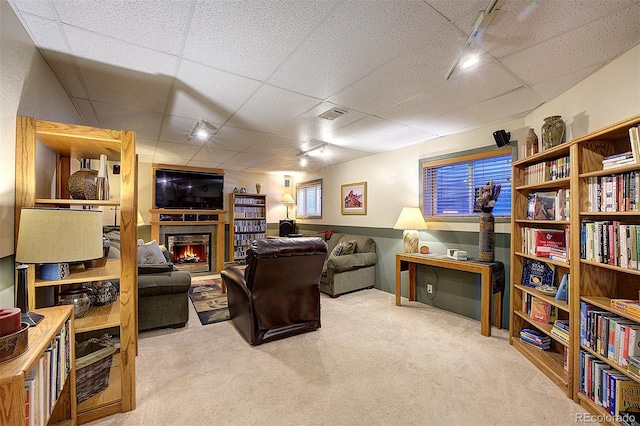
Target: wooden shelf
{"x":611,"y":267}
{"x":100,"y":317}
{"x":111,"y":271}
{"x":556,"y":183}
{"x":545,"y":328}
{"x":543,"y":259}
{"x":549,"y":299}
{"x":550,"y":363}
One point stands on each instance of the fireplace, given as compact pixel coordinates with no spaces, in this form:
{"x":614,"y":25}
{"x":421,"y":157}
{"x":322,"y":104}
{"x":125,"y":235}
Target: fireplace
{"x":190,"y":251}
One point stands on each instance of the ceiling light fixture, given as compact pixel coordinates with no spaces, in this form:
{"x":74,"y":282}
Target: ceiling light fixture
{"x":318,"y":151}
{"x":467,"y":56}
{"x":203,"y":130}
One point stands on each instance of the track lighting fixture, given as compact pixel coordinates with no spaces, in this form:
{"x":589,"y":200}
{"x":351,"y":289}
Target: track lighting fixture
{"x":318,"y":151}
{"x":203,"y":130}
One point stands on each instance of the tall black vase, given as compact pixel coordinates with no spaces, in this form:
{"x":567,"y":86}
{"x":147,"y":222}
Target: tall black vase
{"x":487,"y":235}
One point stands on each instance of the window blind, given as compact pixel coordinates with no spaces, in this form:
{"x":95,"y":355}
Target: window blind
{"x":451,"y":187}
{"x":309,"y":199}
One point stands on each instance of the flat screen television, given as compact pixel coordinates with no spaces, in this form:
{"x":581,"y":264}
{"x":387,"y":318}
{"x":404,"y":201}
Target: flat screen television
{"x":179,"y":189}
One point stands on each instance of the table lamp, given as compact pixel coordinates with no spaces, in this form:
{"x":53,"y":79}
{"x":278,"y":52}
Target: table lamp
{"x":54,"y":237}
{"x":410,"y":220}
{"x":287,"y":200}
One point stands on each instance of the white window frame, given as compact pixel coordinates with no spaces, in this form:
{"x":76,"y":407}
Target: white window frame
{"x":304,"y":190}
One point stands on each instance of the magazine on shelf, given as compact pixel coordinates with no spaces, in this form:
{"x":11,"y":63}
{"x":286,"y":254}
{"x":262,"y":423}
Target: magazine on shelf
{"x":535,"y":273}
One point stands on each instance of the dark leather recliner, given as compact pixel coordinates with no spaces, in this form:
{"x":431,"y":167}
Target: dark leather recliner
{"x":278,"y":295}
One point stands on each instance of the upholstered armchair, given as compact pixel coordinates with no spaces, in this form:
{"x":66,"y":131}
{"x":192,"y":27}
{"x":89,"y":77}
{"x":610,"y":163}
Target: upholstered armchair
{"x":278,"y":294}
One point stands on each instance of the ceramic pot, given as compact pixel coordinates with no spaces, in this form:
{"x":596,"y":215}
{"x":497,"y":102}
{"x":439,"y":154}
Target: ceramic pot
{"x":487,"y":235}
{"x":553,"y":131}
{"x":82,"y":184}
{"x":531,"y":143}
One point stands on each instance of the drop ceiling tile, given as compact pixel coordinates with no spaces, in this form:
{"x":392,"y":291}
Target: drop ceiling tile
{"x":455,"y":10}
{"x":122,"y":74}
{"x":202,"y":91}
{"x":85,"y":109}
{"x":356,"y":39}
{"x":272,"y":146}
{"x":405,"y":76}
{"x":146,"y":159}
{"x":146,"y":147}
{"x":271,"y":108}
{"x":177,"y":150}
{"x":309,"y":126}
{"x":232,"y":167}
{"x":358,"y":133}
{"x":213,"y":155}
{"x":140,"y":22}
{"x":522,"y":23}
{"x":43,"y":8}
{"x":204,"y":164}
{"x":483,"y":83}
{"x":547,"y":90}
{"x":169,"y":160}
{"x":179,"y":129}
{"x":245,"y":159}
{"x":250,"y":38}
{"x":146,"y":124}
{"x":235,"y":139}
{"x":395,"y":139}
{"x":596,"y":42}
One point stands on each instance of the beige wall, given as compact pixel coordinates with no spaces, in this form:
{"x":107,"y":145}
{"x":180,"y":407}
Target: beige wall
{"x":27,"y":87}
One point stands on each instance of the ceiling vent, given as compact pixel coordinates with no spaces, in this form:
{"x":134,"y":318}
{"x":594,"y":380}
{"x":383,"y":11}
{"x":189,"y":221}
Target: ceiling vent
{"x":332,"y":114}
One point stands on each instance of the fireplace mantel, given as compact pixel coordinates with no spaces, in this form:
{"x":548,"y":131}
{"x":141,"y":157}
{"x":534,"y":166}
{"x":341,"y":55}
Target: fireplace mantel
{"x":193,"y":218}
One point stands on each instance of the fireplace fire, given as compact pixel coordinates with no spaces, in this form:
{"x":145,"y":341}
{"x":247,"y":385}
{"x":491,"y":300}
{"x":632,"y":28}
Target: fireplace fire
{"x":190,"y":252}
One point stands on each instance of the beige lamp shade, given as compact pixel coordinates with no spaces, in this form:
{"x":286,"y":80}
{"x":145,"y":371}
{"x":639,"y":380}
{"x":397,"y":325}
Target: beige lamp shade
{"x":59,"y":235}
{"x":140,"y":219}
{"x":287,"y":199}
{"x":410,"y":220}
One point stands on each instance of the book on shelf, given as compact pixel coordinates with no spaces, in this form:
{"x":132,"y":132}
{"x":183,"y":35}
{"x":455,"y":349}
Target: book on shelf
{"x":634,"y":140}
{"x":543,"y":311}
{"x":617,"y":192}
{"x":548,"y":205}
{"x":563,"y":288}
{"x":629,"y":306}
{"x":536,"y":272}
{"x":535,"y":338}
{"x":558,"y":331}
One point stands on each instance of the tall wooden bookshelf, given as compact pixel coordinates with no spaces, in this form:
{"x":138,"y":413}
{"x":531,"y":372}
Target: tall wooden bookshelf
{"x":57,"y":325}
{"x":247,"y":222}
{"x":59,"y":144}
{"x":591,"y":281}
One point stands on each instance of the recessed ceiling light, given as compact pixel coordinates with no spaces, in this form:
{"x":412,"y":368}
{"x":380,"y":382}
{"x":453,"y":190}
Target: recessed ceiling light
{"x":333,"y":113}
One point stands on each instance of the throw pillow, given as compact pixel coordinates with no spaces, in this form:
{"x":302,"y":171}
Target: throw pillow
{"x":344,"y":248}
{"x":150,"y":253}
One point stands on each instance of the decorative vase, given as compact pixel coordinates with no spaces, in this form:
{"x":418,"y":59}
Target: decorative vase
{"x":102,"y":180}
{"x":258,"y":188}
{"x":82,"y":184}
{"x":531,"y":143}
{"x":553,"y":131}
{"x":79,"y":298}
{"x":487,"y":235}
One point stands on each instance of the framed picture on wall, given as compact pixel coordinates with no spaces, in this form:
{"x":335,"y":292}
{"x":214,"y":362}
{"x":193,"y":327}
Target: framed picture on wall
{"x":354,"y":198}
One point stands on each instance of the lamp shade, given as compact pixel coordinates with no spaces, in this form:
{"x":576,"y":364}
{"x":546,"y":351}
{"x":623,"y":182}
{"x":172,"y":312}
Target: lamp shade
{"x":140,"y":219}
{"x":287,"y":199}
{"x":410,"y":218}
{"x":59,"y":235}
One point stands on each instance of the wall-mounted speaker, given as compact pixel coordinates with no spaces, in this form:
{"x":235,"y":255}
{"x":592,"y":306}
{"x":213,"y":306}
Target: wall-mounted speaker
{"x":501,"y":137}
{"x":287,"y":226}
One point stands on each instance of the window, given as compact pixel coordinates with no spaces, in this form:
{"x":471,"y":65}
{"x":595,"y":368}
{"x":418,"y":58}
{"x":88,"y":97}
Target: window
{"x":309,"y":199}
{"x":450,"y":185}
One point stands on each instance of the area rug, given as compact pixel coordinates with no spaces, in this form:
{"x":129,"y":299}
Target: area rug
{"x":208,"y":300}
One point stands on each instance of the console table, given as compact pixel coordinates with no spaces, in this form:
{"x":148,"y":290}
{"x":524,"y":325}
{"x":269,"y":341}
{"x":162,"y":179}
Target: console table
{"x":409,"y":261}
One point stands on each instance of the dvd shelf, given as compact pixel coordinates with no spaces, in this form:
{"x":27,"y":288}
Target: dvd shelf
{"x":247,"y":223}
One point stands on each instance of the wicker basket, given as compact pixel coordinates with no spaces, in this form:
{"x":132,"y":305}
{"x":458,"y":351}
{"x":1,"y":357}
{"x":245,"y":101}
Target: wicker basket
{"x":93,"y":365}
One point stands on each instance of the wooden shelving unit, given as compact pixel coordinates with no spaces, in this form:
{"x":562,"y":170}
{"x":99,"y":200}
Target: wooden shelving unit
{"x":247,"y":222}
{"x":591,"y":282}
{"x":74,"y":141}
{"x":14,"y":372}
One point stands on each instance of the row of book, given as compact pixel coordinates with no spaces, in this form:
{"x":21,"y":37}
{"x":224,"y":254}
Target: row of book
{"x":535,"y":338}
{"x":549,"y":205}
{"x":611,"y":243}
{"x":609,"y":334}
{"x":551,"y":243}
{"x":547,"y":170}
{"x":616,"y":193}
{"x":45,"y":381}
{"x":560,"y":329}
{"x":538,"y":309}
{"x":616,"y":393}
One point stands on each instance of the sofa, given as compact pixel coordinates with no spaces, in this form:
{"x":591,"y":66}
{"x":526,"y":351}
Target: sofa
{"x":344,"y":272}
{"x":163,"y":291}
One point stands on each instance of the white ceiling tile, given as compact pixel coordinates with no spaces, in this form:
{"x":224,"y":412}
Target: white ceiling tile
{"x":146,"y":124}
{"x":396,"y":138}
{"x":250,"y":38}
{"x":85,"y":109}
{"x":356,"y":39}
{"x":550,"y":89}
{"x":232,"y":167}
{"x":455,"y":10}
{"x":43,"y":8}
{"x":177,"y":150}
{"x":140,"y":22}
{"x":178,"y":130}
{"x":593,"y":43}
{"x":245,"y":159}
{"x":405,"y":76}
{"x":235,"y":139}
{"x":146,"y":159}
{"x":202,"y":91}
{"x":272,"y":146}
{"x":271,"y":108}
{"x":309,"y":126}
{"x":169,"y":160}
{"x":213,"y":155}
{"x":358,"y":133}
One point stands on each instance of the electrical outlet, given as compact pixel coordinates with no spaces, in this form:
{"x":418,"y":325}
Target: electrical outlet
{"x":429,"y":288}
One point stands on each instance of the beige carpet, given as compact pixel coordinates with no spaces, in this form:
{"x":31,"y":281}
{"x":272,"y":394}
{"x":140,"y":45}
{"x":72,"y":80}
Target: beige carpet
{"x":371,"y":363}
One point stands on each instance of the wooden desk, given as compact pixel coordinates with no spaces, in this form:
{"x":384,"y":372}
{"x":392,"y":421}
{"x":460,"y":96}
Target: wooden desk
{"x":409,"y":261}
